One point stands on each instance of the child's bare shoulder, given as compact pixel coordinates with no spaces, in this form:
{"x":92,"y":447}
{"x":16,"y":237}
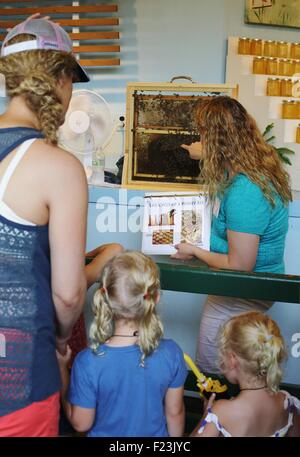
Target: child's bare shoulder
{"x":231,"y":407}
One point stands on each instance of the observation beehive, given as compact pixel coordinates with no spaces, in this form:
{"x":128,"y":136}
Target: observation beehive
{"x":159,"y":118}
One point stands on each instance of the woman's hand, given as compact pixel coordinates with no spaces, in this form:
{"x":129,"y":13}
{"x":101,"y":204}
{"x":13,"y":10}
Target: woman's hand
{"x":185,"y":251}
{"x":33,"y":16}
{"x":64,"y":360}
{"x":61,"y":345}
{"x":194,"y":150}
{"x":37,"y":16}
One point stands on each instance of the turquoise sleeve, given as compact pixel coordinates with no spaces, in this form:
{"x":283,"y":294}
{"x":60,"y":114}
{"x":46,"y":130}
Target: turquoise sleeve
{"x":246,"y":208}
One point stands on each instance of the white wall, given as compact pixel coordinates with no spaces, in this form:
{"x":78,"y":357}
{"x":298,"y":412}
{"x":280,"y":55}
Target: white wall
{"x":164,"y":38}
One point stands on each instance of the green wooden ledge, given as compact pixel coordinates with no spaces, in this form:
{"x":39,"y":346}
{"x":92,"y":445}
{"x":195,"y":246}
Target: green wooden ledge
{"x":194,"y":276}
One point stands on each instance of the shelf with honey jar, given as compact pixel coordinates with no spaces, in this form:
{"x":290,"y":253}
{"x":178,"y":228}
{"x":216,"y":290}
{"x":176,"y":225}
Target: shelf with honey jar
{"x":268,"y":96}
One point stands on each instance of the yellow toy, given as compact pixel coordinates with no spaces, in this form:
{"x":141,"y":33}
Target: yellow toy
{"x":204,"y":383}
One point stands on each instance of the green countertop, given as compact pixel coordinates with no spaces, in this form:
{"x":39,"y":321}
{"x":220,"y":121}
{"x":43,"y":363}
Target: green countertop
{"x":196,"y":277}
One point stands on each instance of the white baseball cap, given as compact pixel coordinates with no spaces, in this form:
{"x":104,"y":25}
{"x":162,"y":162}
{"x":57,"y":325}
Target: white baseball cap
{"x":48,"y":35}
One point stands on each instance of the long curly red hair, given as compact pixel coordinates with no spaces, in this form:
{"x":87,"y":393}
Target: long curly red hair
{"x":232,"y":142}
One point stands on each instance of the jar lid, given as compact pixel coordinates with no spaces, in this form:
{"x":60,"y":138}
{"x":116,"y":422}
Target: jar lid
{"x":271,"y":58}
{"x":290,"y":101}
{"x":284,"y":60}
{"x":282,"y":42}
{"x":257,"y":39}
{"x":244,"y":38}
{"x":287,"y":79}
{"x":273,"y":79}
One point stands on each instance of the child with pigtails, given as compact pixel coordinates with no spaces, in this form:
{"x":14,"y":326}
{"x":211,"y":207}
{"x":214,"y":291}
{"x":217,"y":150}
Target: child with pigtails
{"x":130,"y":381}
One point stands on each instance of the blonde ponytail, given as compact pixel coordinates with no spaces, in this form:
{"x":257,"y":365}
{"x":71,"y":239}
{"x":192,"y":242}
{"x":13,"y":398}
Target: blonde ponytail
{"x":150,"y":329}
{"x":102,"y":327}
{"x":257,"y":340}
{"x":270,"y":357}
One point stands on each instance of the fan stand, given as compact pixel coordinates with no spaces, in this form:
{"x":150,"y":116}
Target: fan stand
{"x":98,"y":178}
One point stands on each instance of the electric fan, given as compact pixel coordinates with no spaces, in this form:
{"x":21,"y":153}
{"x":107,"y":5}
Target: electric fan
{"x":87,"y":129}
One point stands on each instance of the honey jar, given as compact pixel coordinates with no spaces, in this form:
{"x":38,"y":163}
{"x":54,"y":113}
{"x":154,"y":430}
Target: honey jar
{"x":271,"y":66}
{"x":282,"y":49}
{"x":286,"y":87}
{"x":296,"y":88}
{"x":295,"y":51}
{"x":297,"y":67}
{"x":286,"y":67}
{"x":259,"y":66}
{"x":290,"y":109}
{"x":274,"y":87}
{"x":256,"y":47}
{"x":270,"y":48}
{"x":244,"y":46}
{"x":298,"y":134}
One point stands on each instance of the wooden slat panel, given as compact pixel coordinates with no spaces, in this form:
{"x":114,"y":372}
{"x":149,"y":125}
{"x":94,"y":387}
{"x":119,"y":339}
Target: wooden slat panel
{"x":97,"y":48}
{"x":67,"y":21}
{"x":99,"y":62}
{"x":88,"y":35}
{"x":71,"y":22}
{"x":94,"y":35}
{"x":59,"y":10}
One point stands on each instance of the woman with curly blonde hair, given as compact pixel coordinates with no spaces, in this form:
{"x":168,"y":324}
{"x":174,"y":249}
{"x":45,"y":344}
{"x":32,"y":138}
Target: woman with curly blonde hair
{"x":43,"y":209}
{"x":251,"y":353}
{"x":130,"y":381}
{"x":249,"y":191}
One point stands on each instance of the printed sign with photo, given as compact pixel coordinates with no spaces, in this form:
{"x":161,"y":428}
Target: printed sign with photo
{"x":172,"y":218}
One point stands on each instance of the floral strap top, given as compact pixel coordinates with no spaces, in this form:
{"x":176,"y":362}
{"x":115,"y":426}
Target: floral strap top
{"x":291,"y":403}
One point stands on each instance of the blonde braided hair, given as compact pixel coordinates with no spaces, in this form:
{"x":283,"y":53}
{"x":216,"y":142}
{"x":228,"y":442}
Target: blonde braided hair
{"x":34,"y":74}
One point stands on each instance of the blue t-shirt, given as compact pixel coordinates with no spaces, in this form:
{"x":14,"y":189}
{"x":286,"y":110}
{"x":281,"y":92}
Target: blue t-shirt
{"x":129,"y":399}
{"x":244,"y":208}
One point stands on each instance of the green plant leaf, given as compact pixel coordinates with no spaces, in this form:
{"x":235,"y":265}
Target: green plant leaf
{"x":270,"y":139}
{"x":268,"y":129}
{"x":286,"y":160}
{"x":283,"y":151}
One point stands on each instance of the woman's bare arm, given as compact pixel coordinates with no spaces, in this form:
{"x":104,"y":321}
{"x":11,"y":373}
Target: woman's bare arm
{"x":67,"y":202}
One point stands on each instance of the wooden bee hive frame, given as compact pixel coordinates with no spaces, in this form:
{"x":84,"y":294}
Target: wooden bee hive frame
{"x":128,"y":180}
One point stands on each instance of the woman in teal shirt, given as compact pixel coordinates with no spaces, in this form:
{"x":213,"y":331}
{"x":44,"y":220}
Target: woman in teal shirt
{"x":249,"y":191}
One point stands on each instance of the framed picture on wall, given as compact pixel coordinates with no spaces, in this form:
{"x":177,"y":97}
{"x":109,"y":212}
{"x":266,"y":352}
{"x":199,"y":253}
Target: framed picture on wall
{"x":284,"y":13}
